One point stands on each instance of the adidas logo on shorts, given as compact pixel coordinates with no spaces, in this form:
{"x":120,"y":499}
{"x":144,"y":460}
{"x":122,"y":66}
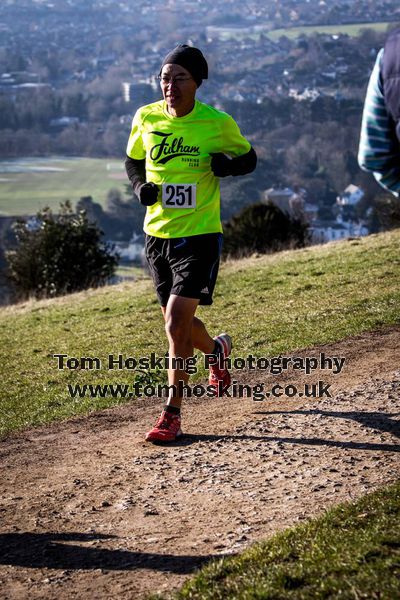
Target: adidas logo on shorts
{"x":205,"y":290}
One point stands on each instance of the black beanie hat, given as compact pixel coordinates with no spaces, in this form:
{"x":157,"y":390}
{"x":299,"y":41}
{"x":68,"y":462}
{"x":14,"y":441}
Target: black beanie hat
{"x":189,"y":58}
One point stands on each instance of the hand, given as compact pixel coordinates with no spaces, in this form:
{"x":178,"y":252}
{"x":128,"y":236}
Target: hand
{"x":220,"y":164}
{"x":148,"y":193}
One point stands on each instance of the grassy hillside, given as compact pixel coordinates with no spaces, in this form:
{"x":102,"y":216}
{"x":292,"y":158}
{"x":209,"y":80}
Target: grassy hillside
{"x":270,"y":304}
{"x":350,"y":552}
{"x":26,"y":185}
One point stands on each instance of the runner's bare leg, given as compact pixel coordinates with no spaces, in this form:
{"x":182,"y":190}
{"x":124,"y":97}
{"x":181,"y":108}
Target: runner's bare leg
{"x":200,"y":337}
{"x":184,"y":332}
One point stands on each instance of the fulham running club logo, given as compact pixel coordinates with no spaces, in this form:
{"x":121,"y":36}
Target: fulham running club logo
{"x":170,"y":148}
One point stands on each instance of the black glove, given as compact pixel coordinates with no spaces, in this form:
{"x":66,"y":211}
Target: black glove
{"x":148,"y":193}
{"x":220,"y":164}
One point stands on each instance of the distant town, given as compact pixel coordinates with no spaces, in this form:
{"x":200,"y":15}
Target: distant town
{"x":47,"y":43}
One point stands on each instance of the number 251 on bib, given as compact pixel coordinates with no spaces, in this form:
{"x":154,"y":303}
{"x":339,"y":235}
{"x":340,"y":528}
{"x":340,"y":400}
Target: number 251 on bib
{"x":179,"y":195}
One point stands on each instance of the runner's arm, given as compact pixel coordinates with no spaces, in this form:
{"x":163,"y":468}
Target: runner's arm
{"x":147,"y":193}
{"x":241,"y":165}
{"x":379,"y":148}
{"x":222,"y":166}
{"x":136,"y":171}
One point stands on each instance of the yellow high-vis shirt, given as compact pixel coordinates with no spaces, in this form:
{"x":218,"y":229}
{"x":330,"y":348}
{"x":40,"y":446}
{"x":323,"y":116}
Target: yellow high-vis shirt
{"x":178,"y":156}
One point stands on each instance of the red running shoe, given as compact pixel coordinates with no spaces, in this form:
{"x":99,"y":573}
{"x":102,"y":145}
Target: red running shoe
{"x":167,"y":428}
{"x":221,"y":377}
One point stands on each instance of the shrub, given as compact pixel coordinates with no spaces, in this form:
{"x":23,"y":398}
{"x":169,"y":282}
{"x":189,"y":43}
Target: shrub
{"x":387,"y":212}
{"x":263,"y":228}
{"x":58,"y":254}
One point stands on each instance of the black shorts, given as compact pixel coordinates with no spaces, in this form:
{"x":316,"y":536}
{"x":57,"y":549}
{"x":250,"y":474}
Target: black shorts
{"x":186,"y":266}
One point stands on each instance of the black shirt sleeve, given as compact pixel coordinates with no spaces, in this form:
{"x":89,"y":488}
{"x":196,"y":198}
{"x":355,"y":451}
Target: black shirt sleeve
{"x":241,"y":165}
{"x":136,"y":171}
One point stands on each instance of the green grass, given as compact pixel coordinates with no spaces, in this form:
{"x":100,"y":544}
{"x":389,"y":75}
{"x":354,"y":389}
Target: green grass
{"x":272,"y":304}
{"x":129,"y":272}
{"x":61,"y":179}
{"x":351,"y":552}
{"x":353,"y":30}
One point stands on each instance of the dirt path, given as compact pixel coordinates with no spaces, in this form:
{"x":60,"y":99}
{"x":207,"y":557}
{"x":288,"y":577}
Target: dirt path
{"x":89,"y":510}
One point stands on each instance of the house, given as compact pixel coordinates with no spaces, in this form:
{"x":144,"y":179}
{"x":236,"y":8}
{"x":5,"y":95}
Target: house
{"x":64,"y":122}
{"x":310,"y":212}
{"x":351,"y":196}
{"x":287,"y":200}
{"x":132,"y":251}
{"x":329,"y":231}
{"x":279,"y":197}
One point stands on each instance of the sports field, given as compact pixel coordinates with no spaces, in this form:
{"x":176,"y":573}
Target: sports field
{"x":352,"y":30}
{"x":28,"y":184}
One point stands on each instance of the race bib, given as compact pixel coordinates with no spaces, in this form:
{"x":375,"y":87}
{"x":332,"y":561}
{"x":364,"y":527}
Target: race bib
{"x":179,"y":195}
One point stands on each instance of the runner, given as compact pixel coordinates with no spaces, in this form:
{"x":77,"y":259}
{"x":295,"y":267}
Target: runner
{"x":380,"y":129}
{"x":176,"y":152}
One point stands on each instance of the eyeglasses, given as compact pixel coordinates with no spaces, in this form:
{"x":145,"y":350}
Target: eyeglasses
{"x":177,"y":80}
